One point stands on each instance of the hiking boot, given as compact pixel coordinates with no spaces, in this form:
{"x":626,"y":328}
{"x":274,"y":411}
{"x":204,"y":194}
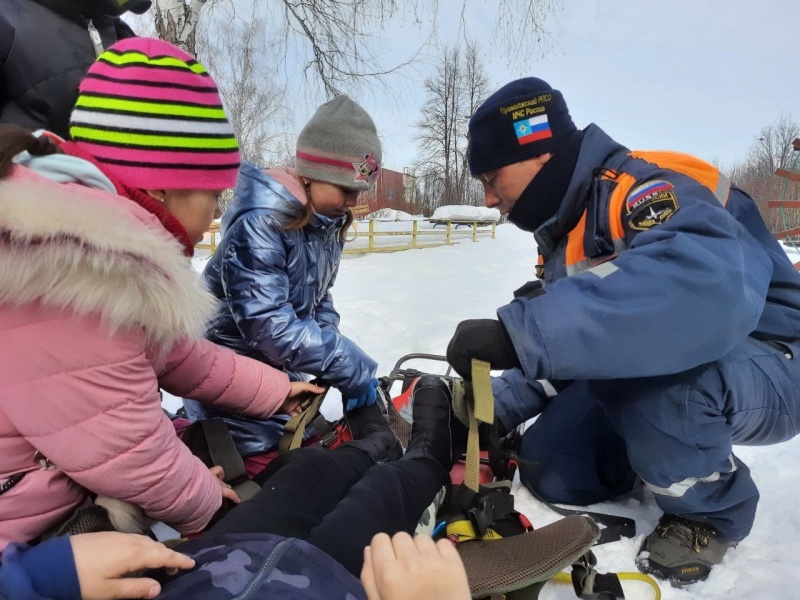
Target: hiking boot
{"x":372,"y":434}
{"x":435,"y":431}
{"x":681,"y":551}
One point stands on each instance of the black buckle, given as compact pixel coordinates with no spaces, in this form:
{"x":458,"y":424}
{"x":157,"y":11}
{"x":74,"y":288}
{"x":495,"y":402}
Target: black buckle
{"x":330,"y":438}
{"x":490,"y":508}
{"x":591,"y":585}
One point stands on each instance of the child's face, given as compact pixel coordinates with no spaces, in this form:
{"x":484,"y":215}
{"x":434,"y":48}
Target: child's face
{"x":331,"y":200}
{"x":194,"y":209}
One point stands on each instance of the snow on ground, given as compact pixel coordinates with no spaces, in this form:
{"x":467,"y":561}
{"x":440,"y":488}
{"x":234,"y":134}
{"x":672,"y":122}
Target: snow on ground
{"x":395,"y":304}
{"x":792,"y":250}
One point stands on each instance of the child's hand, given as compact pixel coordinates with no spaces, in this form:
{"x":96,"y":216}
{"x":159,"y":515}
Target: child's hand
{"x":404,"y":567}
{"x":103,"y":560}
{"x":299,"y":391}
{"x":227,"y":492}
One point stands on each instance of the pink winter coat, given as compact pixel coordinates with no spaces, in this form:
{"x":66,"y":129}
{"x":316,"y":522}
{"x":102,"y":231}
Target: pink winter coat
{"x":98,"y":309}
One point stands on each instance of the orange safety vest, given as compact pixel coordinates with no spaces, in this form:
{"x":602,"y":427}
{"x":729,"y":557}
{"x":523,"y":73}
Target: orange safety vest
{"x":704,"y":173}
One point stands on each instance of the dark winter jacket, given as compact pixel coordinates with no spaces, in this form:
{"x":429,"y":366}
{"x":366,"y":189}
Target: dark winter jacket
{"x":654,"y":264}
{"x":46,"y":47}
{"x":274,"y":287}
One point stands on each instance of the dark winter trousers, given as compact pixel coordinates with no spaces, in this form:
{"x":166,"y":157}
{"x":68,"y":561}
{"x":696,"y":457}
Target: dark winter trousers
{"x":675,"y":432}
{"x":337,"y":500}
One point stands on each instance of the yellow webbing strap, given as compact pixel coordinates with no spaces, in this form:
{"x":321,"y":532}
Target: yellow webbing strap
{"x":463,"y":531}
{"x":567,"y":578}
{"x":294,"y":430}
{"x":483,"y":411}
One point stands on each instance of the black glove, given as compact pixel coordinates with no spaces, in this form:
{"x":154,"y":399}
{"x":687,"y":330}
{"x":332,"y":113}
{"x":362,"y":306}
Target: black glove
{"x":485,"y":339}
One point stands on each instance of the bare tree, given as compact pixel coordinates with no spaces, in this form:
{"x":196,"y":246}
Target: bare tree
{"x":771,"y":150}
{"x":176,"y":22}
{"x":340,"y":40}
{"x":476,"y":88}
{"x":521,"y":25}
{"x":438,"y":127}
{"x":253,"y":100}
{"x":453,"y":93}
{"x":338,"y":43}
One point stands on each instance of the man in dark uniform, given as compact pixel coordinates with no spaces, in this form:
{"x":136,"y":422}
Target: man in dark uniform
{"x":666,"y":331}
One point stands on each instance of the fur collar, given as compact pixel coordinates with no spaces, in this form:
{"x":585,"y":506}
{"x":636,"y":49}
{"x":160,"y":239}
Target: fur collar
{"x":75,"y":248}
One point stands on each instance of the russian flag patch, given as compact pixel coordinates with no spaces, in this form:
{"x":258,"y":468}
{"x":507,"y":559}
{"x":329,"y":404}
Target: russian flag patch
{"x":533,"y":129}
{"x":646,"y":192}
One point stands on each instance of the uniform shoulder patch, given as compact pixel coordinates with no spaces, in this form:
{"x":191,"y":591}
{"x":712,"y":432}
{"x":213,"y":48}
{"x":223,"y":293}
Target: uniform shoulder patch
{"x":651,"y":204}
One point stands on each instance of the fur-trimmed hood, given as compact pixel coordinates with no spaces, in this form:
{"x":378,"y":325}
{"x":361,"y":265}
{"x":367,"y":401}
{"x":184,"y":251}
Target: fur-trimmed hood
{"x":91,"y":252}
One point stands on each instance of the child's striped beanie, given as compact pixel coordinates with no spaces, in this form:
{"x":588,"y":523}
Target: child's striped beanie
{"x":152,"y":115}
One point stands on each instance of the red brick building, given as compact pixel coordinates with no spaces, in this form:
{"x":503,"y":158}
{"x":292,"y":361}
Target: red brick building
{"x":393,"y":190}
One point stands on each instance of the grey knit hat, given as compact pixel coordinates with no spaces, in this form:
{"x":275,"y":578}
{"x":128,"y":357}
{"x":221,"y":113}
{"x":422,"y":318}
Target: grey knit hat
{"x":340,"y":145}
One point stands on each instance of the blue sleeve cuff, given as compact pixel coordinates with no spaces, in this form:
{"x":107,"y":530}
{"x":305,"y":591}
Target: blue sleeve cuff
{"x":51,"y":568}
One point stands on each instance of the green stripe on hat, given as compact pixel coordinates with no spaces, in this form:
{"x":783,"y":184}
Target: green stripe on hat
{"x":154,"y":108}
{"x":137,"y":58}
{"x":158,"y":140}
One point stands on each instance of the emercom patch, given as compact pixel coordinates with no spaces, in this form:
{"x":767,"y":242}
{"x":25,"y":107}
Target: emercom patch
{"x":651,"y":204}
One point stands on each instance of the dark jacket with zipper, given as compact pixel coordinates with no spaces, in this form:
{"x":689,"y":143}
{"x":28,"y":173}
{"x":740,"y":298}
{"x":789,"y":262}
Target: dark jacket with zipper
{"x":46,"y":47}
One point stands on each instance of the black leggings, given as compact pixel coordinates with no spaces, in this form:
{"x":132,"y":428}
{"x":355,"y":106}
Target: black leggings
{"x":337,"y":500}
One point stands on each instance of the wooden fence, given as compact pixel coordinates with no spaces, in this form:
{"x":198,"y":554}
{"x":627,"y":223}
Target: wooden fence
{"x":452,"y":228}
{"x":471,"y":228}
{"x":213,"y":231}
{"x":790,"y":236}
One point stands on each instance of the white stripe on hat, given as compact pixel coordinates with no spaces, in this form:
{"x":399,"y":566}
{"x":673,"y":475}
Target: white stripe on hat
{"x":178,"y":126}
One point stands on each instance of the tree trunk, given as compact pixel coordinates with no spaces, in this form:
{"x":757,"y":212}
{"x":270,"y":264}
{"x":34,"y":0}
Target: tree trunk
{"x":176,"y":22}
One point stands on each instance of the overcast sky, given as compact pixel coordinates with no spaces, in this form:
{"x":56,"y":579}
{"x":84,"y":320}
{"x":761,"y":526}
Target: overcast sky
{"x":698,"y":76}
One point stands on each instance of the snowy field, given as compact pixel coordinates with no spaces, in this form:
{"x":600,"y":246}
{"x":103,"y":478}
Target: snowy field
{"x":404,"y":302}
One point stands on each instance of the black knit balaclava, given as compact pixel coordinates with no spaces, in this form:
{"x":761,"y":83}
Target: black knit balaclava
{"x":541,"y":199}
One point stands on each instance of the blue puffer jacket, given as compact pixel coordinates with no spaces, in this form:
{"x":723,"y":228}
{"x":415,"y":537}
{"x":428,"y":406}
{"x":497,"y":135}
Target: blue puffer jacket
{"x":275,"y":289}
{"x":671,"y":296}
